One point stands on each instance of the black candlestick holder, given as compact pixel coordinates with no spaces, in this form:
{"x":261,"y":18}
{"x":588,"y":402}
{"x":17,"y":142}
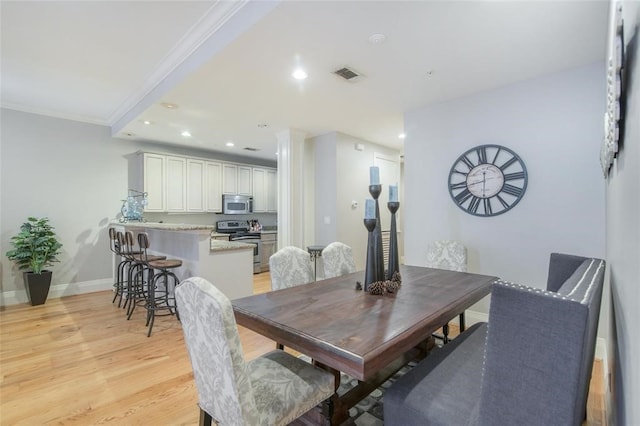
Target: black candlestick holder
{"x":375,"y":191}
{"x":394,"y":259}
{"x":370,"y":270}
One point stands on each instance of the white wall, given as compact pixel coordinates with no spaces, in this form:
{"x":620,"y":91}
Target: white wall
{"x":75,"y":174}
{"x":342,"y":176}
{"x":623,"y":241}
{"x":555,"y":125}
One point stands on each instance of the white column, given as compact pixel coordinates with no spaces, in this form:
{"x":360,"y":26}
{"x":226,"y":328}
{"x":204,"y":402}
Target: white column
{"x":291,"y":188}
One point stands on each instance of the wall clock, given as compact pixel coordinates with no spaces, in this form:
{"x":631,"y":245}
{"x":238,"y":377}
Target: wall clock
{"x":487,"y":180}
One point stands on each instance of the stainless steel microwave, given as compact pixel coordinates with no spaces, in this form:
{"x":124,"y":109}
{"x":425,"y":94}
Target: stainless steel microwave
{"x":237,"y":204}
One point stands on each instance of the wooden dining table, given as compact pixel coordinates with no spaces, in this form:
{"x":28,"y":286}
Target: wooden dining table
{"x":368,"y":337}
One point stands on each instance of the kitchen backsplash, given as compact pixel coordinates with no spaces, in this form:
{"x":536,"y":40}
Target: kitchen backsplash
{"x":265,"y":219}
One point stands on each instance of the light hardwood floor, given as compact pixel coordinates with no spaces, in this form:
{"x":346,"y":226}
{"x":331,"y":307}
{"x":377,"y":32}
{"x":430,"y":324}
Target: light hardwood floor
{"x":77,"y":361}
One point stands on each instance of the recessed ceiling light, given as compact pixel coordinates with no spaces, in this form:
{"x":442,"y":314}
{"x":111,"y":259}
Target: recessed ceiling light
{"x":377,"y":38}
{"x":147,"y":122}
{"x":229,"y":144}
{"x":186,"y":134}
{"x":299,"y":74}
{"x":402,"y":136}
{"x":168,"y":105}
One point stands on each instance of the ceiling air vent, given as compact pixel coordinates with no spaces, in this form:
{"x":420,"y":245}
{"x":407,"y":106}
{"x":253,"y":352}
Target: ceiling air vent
{"x":248,"y":148}
{"x":347,"y":73}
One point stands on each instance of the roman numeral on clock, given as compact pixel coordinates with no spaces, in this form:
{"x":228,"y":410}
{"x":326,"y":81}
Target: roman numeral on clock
{"x":482,"y":154}
{"x":463,"y":196}
{"x":473,"y":204}
{"x":511,"y":190}
{"x":514,"y":176}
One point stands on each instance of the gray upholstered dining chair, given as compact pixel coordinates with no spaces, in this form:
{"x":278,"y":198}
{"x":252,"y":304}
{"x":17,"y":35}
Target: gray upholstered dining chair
{"x":337,"y":259}
{"x":290,"y":266}
{"x":273,"y":389}
{"x":450,"y":255}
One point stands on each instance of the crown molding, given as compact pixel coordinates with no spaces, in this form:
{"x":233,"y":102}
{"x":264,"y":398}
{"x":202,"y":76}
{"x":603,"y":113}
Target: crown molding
{"x":53,"y":113}
{"x":211,"y":22}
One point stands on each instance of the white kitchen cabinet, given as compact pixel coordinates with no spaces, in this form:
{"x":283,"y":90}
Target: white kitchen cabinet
{"x":229,"y":179}
{"x":244,"y":180}
{"x":180,"y":184}
{"x":213,"y":186}
{"x":176,"y":184}
{"x":153,"y":182}
{"x":236,"y":179}
{"x":272,"y":190}
{"x":265,"y":190}
{"x":195,"y":185}
{"x":259,"y":193}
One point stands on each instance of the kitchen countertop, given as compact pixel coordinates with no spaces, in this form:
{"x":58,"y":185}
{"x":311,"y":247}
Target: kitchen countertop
{"x":169,"y":226}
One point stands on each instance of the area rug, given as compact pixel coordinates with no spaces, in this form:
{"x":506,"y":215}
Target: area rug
{"x":369,"y":411}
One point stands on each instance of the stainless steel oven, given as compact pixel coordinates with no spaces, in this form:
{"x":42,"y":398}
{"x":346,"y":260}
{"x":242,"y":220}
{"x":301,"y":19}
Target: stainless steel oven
{"x":239,"y":231}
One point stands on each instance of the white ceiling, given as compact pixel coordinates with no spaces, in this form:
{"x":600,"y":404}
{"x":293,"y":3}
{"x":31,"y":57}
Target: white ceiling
{"x":228,"y":64}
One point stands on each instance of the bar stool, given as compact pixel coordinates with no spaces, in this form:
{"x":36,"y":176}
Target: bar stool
{"x":159,"y":299}
{"x":118,"y":283}
{"x":126,"y":253}
{"x":136,"y":274}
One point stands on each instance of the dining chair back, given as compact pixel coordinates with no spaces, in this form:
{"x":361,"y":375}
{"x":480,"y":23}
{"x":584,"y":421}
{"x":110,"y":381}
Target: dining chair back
{"x":447,"y":254}
{"x":290,"y":266}
{"x":337,"y":259}
{"x":450,"y":255}
{"x":274,"y":389}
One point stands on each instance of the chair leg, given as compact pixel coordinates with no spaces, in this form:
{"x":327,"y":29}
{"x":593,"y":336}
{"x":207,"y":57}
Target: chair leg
{"x":462,"y":323}
{"x":205,"y":418}
{"x":445,"y":333}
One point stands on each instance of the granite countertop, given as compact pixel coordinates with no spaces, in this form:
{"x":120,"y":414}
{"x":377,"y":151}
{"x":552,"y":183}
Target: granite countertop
{"x":169,"y":226}
{"x":219,"y":245}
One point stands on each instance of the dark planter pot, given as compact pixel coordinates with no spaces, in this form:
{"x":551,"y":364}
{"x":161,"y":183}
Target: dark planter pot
{"x":37,"y":286}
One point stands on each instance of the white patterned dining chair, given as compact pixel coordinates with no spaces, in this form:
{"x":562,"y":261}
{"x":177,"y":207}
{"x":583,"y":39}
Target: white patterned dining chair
{"x":273,"y":389}
{"x":450,"y":255}
{"x":337,"y":259}
{"x":290,"y":266}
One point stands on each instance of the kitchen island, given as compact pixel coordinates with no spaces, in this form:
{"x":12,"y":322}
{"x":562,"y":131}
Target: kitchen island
{"x":226,"y":264}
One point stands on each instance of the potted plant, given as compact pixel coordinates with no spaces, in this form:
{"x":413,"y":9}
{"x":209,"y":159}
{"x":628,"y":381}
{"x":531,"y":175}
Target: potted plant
{"x":34,"y":248}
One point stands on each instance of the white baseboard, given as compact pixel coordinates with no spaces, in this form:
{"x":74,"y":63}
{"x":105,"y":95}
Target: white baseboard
{"x":14,"y":297}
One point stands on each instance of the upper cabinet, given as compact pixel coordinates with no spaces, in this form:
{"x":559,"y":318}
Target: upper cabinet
{"x":195,"y":185}
{"x":176,"y":184}
{"x":153,"y":182}
{"x":244,"y":181}
{"x":265,"y":190}
{"x":272,"y":190}
{"x":236,"y":179}
{"x":180,"y":184}
{"x":213,"y":186}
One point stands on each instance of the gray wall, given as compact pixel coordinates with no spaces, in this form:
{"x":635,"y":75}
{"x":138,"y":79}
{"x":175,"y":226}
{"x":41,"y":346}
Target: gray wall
{"x":555,"y":125}
{"x":623,"y":241}
{"x":75,"y":174}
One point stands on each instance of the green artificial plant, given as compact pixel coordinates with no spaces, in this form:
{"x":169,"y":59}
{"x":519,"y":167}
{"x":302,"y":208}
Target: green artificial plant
{"x":36,"y":246}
